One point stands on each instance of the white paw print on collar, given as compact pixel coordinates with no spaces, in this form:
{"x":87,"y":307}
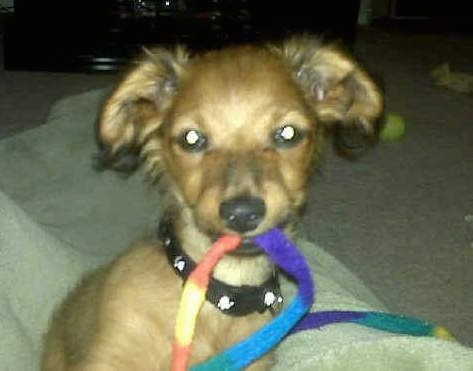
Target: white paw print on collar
{"x":179,"y":263}
{"x":225,"y":303}
{"x":270,"y":299}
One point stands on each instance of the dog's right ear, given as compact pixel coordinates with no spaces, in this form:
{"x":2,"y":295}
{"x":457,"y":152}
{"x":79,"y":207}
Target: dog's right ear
{"x":137,"y":106}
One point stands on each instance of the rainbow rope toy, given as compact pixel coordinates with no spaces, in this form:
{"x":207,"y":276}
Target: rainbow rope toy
{"x":293,"y":319}
{"x":192,"y":299}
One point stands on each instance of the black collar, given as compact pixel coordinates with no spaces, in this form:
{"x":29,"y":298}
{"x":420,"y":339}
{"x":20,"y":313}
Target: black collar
{"x":232,"y":300}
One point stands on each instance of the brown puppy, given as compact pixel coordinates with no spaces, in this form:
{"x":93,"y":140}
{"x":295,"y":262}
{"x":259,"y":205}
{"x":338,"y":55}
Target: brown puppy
{"x":233,"y":135}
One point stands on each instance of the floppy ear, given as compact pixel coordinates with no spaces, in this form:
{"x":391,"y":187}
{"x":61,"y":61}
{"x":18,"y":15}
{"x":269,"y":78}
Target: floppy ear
{"x":136,"y":108}
{"x":343,"y":95}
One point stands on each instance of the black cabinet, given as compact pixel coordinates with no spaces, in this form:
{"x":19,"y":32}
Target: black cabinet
{"x":78,"y":35}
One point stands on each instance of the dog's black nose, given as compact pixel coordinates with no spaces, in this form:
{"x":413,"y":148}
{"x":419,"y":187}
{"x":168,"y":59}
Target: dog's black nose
{"x":243,"y":213}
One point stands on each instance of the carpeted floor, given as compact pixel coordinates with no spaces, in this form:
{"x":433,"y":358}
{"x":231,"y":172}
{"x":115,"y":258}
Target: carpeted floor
{"x":401,"y":217}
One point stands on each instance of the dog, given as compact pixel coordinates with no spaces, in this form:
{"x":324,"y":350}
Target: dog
{"x":233,"y":135}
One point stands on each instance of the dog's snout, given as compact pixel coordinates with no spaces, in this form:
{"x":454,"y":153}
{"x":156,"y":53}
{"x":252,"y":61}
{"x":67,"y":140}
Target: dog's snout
{"x":243,"y":214}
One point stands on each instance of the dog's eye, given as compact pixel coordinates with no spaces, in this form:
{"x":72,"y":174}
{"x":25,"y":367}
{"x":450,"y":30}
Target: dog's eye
{"x":193,"y":141}
{"x":287,"y":136}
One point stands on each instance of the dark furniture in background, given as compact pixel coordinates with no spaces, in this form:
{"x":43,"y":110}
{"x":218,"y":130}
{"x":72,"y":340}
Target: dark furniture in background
{"x":432,"y":9}
{"x":439,"y":16}
{"x":81,"y":35}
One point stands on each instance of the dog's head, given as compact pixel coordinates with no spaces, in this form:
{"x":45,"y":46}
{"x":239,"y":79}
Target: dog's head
{"x":236,"y":132}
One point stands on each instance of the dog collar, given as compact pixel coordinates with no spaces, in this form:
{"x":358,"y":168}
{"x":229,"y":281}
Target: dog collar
{"x":231,"y":300}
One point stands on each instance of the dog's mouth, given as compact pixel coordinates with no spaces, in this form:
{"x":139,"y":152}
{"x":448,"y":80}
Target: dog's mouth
{"x":247,"y":246}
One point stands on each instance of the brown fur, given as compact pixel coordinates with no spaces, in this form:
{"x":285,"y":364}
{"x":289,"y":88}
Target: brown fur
{"x":122,"y":317}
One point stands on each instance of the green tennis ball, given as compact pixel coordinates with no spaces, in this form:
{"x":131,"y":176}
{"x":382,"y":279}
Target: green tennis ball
{"x":394,"y":127}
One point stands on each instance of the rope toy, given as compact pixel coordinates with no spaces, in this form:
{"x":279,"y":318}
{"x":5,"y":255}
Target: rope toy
{"x":285,"y":255}
{"x":192,"y":299}
{"x":293,"y":319}
{"x":394,"y":323}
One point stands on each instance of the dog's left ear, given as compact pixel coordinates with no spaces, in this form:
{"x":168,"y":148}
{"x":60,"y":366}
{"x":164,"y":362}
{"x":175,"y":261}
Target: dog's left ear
{"x":344,"y":96}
